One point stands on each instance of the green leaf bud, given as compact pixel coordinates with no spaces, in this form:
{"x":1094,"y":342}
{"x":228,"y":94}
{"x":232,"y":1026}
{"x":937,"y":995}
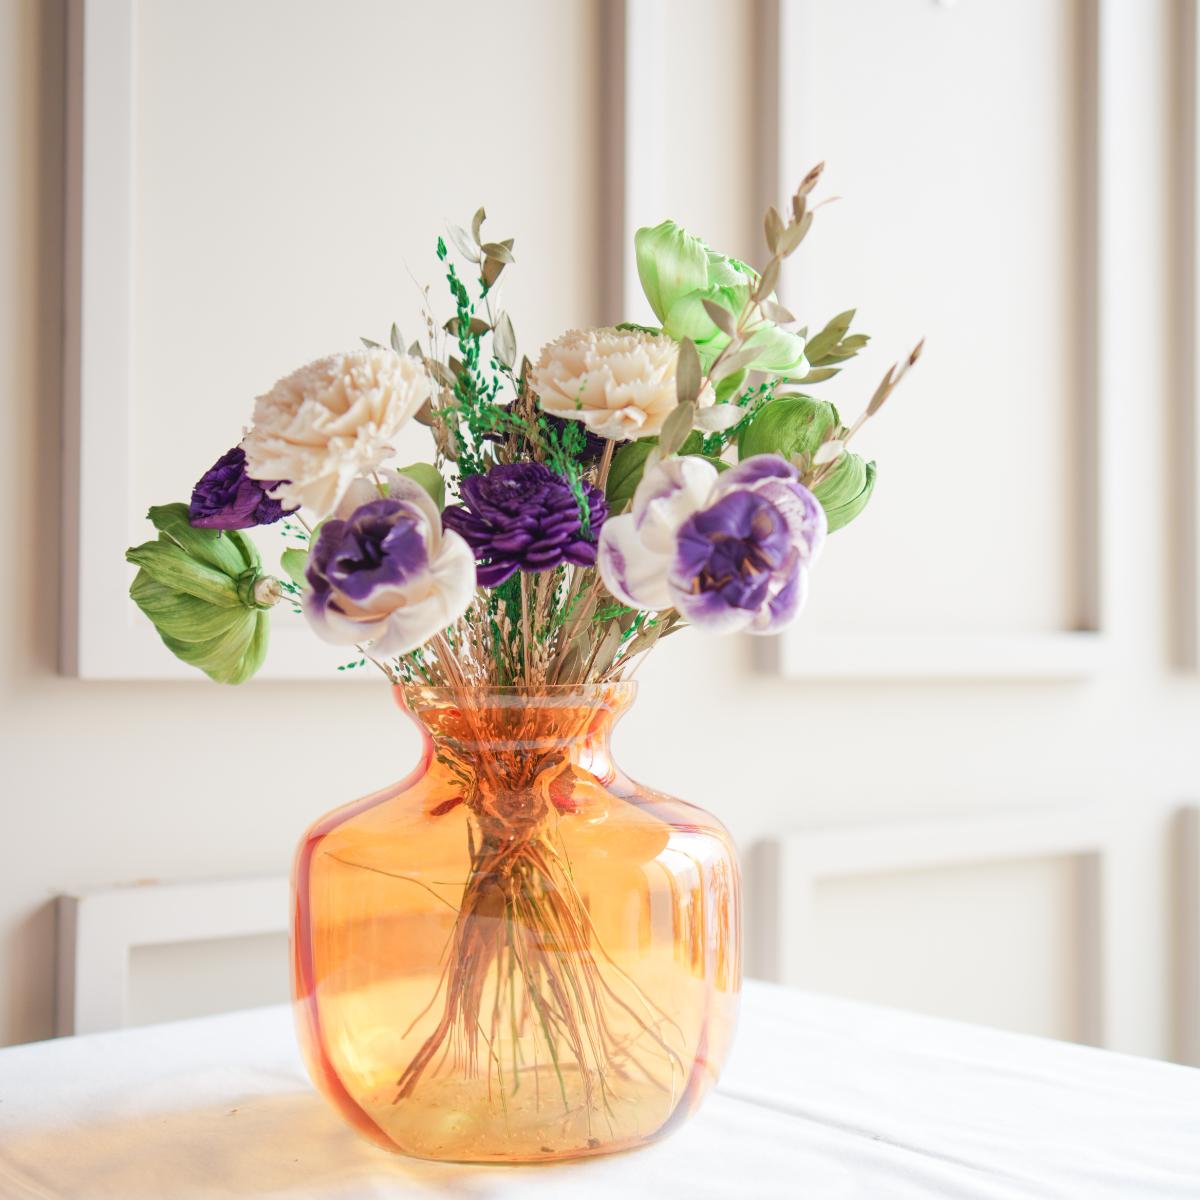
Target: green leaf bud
{"x":788,"y":425}
{"x":845,"y":491}
{"x":204,"y":591}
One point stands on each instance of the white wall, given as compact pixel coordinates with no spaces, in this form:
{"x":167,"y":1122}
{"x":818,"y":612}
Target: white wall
{"x":100,"y":781}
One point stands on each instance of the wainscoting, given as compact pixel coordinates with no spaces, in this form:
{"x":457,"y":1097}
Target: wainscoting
{"x":1008,"y":632}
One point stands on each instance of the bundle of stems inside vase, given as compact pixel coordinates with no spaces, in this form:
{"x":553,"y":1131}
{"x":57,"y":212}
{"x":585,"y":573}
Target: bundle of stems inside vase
{"x":528,"y":986}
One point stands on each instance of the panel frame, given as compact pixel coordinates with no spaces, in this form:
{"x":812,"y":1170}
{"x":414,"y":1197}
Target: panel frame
{"x":635,"y":33}
{"x":1187,"y":969}
{"x":100,"y":639}
{"x":1185,"y":451}
{"x":98,"y":929}
{"x":101,"y":635}
{"x":1072,"y":654}
{"x":790,"y":868}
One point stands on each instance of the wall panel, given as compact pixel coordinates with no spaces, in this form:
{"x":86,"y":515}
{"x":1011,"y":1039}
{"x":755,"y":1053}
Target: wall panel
{"x":967,"y":214}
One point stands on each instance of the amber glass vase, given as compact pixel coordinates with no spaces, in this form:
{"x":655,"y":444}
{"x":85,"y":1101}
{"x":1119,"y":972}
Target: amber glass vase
{"x":516,"y":954}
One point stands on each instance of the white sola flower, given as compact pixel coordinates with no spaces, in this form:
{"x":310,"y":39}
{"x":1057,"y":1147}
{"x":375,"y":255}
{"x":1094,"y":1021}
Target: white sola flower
{"x":331,"y":422}
{"x":619,"y":382}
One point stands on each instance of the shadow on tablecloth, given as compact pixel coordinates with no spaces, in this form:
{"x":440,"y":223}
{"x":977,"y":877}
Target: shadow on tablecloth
{"x":289,"y":1144}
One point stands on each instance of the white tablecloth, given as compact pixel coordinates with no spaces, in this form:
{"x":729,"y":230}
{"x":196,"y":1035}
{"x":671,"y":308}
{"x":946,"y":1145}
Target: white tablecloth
{"x":821,"y":1099}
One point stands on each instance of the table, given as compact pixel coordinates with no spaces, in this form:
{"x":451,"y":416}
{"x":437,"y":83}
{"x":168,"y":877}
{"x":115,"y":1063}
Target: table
{"x":821,"y":1099}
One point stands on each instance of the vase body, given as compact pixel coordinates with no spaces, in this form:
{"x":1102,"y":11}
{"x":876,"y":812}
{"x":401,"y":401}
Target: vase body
{"x":516,"y":954}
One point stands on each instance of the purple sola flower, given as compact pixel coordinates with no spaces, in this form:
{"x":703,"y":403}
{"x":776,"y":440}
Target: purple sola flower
{"x":227,"y":498}
{"x":382,"y":570}
{"x":730,"y":551}
{"x":525,"y":517}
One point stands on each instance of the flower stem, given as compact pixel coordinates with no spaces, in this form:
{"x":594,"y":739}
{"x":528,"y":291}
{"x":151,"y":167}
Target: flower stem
{"x":525,"y":624}
{"x":605,"y":463}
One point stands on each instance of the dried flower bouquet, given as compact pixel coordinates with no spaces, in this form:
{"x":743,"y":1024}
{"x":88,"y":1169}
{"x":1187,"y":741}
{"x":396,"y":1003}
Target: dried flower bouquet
{"x":596,"y":507}
{"x":576,"y":509}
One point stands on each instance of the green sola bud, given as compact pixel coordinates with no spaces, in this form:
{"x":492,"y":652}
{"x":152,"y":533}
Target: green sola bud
{"x":789,"y":425}
{"x":844,"y":493}
{"x":671,"y":264}
{"x":680,"y":275}
{"x":205,"y":593}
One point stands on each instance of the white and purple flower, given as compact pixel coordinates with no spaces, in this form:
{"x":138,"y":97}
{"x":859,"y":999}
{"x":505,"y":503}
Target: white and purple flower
{"x":729,"y":551}
{"x":382,"y":570}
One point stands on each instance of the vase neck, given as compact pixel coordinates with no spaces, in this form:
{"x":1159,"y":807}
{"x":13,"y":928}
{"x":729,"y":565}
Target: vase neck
{"x":513,"y":736}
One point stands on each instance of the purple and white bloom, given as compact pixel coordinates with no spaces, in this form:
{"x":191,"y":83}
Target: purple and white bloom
{"x":227,"y":498}
{"x":730,"y":551}
{"x":382,"y":570}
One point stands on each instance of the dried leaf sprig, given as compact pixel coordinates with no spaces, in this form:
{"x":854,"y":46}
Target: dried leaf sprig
{"x":783,"y":239}
{"x":827,"y":456}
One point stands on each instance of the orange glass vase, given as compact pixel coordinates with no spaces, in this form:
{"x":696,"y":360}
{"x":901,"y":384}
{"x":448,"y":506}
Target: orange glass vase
{"x":516,"y":954}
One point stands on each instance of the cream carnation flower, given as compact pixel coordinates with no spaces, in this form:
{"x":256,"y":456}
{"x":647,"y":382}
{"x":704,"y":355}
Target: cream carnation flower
{"x":619,"y":383}
{"x":331,"y":422}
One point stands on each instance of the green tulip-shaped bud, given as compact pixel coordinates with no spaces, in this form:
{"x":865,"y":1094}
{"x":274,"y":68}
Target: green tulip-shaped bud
{"x":790,"y":425}
{"x":679,"y":273}
{"x":844,"y":492}
{"x":671,"y":264}
{"x":205,"y":593}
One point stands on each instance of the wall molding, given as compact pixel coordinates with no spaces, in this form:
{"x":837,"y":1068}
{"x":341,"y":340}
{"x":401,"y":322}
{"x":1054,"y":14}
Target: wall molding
{"x":645,"y":32}
{"x":97,"y":335}
{"x":1075,"y":653}
{"x":1185,"y":451}
{"x":97,"y":930}
{"x":792,"y":866}
{"x":631,"y":32}
{"x":1187,"y":970}
{"x":102,"y":635}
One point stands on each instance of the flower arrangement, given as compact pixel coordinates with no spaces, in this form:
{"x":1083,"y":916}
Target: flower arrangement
{"x":629,"y":483}
{"x":575,"y":510}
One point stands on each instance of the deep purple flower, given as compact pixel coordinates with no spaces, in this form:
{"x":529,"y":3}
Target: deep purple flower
{"x":525,"y":517}
{"x":227,"y":498}
{"x":730,"y":551}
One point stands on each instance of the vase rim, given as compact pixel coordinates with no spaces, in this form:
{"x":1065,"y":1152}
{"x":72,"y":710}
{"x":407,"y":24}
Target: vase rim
{"x":554,"y":695}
